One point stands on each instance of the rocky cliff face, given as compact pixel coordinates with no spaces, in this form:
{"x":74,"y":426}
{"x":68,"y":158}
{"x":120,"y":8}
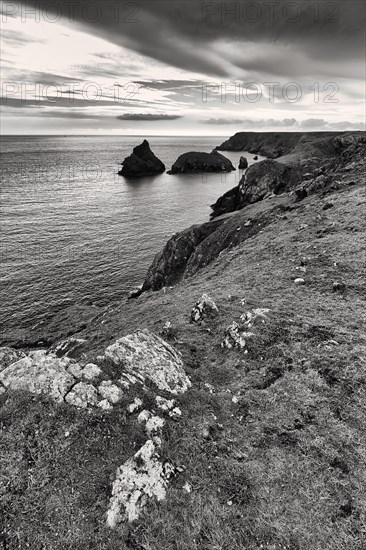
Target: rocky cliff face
{"x":201,"y":162}
{"x":261,"y":179}
{"x":267,"y":144}
{"x":169,"y":266}
{"x":142,"y":162}
{"x":280,"y":144}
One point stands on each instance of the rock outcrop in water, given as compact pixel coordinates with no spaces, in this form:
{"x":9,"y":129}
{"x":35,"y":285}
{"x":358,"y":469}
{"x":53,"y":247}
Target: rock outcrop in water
{"x":201,"y":162}
{"x":142,"y":162}
{"x":243,"y":163}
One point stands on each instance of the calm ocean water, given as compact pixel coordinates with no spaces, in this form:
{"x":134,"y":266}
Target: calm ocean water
{"x":74,"y":232}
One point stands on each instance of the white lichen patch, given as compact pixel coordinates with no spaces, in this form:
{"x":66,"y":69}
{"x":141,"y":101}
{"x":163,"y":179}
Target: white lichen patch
{"x":142,"y":477}
{"x":144,"y":416}
{"x":135,"y":405}
{"x":39,"y":373}
{"x":82,"y":395}
{"x":91,"y":372}
{"x":105,"y":405}
{"x":154,"y":425}
{"x":146,"y":355}
{"x":168,"y":406}
{"x":110,"y":391}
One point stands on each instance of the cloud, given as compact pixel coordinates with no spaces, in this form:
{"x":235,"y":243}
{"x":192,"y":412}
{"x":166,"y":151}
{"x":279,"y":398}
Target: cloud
{"x":192,"y":28}
{"x":147,"y":117}
{"x":222,"y":121}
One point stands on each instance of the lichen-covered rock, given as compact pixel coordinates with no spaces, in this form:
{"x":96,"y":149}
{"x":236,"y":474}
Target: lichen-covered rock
{"x":142,"y":477}
{"x":39,"y":373}
{"x":233,"y":337}
{"x":110,"y":391}
{"x":82,"y":395}
{"x":91,"y":372}
{"x":257,"y":314}
{"x":168,"y":406}
{"x":135,"y":405}
{"x":146,"y":355}
{"x":105,"y":405}
{"x":9,"y":356}
{"x":204,"y":307}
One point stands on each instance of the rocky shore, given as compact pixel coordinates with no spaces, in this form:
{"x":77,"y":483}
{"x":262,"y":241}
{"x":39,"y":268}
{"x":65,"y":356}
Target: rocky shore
{"x":230,"y":393}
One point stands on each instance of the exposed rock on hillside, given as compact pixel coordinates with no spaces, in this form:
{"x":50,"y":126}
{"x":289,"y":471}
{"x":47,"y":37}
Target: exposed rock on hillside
{"x":204,"y":307}
{"x":141,"y":477}
{"x":142,"y":162}
{"x":201,"y":162}
{"x":39,"y":373}
{"x":147,"y":356}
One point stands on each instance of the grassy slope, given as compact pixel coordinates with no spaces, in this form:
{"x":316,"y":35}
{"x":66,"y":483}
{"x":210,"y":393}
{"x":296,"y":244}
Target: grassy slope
{"x":282,"y":468}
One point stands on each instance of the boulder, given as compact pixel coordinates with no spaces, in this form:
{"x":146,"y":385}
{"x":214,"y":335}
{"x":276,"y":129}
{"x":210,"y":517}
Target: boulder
{"x":243,"y":163}
{"x":233,"y":337}
{"x":82,"y":395}
{"x":142,"y":162}
{"x":147,"y":356}
{"x":110,"y":391}
{"x":204,"y":307}
{"x":39,"y":373}
{"x":9,"y":356}
{"x":201,"y":162}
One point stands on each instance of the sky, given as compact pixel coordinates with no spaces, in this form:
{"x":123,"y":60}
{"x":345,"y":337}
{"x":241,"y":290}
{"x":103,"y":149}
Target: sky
{"x":182,"y":67}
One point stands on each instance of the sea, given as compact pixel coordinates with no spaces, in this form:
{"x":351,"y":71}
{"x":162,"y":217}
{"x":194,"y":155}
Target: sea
{"x":75,"y":232}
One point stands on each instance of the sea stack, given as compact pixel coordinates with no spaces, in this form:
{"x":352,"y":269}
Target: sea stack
{"x":243,"y":163}
{"x":141,"y":163}
{"x":201,"y":162}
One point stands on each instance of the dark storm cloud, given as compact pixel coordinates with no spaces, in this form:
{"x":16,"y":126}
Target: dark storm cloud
{"x":147,"y":117}
{"x":334,"y":33}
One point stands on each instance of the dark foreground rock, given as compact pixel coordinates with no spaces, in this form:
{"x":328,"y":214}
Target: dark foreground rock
{"x":201,"y":162}
{"x":142,"y":162}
